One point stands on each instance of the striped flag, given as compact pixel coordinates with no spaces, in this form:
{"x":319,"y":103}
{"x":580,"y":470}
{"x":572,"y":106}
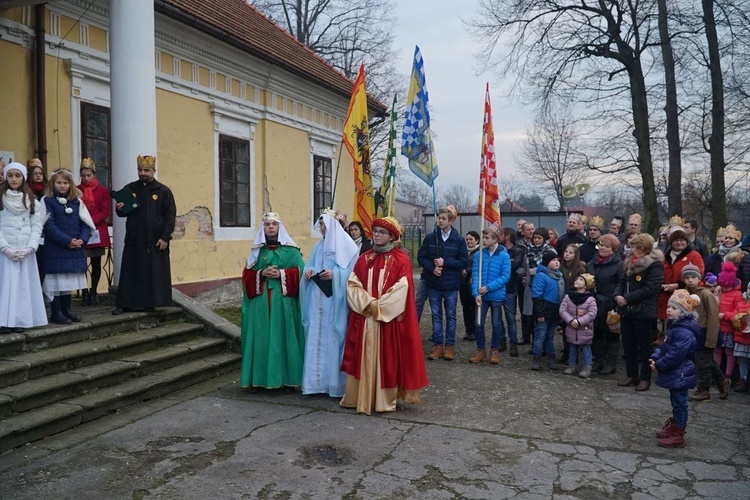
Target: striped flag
{"x":488,"y":192}
{"x":356,"y":139}
{"x":385,"y":195}
{"x":416,"y":141}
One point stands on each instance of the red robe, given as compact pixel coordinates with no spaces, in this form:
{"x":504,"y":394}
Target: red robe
{"x":400,"y":357}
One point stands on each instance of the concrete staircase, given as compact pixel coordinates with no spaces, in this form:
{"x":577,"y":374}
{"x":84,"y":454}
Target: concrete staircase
{"x":57,"y":377}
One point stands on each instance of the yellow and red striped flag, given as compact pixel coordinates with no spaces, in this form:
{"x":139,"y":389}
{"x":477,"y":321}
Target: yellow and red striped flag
{"x":488,"y":192}
{"x":356,"y":139}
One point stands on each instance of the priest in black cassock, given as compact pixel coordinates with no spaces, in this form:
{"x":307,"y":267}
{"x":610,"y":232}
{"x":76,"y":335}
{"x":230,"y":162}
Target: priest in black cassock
{"x":145,"y":277}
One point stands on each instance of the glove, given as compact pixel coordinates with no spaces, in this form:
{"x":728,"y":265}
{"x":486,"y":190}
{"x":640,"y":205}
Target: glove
{"x":10,"y":253}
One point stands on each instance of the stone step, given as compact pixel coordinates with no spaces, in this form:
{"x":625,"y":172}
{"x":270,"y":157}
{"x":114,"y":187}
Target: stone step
{"x":47,"y":420}
{"x":18,"y":368}
{"x":52,"y":388}
{"x":96,"y":323}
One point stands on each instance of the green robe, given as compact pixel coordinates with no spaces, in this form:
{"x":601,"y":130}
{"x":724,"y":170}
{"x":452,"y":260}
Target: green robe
{"x":273,"y":340}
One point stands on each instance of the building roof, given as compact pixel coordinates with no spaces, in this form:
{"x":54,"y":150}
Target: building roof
{"x":241,"y":25}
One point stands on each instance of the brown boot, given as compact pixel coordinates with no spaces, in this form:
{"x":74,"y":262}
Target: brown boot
{"x":513,"y":350}
{"x":724,"y":388}
{"x":450,"y":353}
{"x":480,"y":355}
{"x":675,"y":439}
{"x":437,"y":353}
{"x":700,"y":395}
{"x":495,"y":357}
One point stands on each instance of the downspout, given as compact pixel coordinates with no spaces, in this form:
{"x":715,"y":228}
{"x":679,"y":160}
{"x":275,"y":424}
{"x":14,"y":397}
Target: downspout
{"x":40,"y":84}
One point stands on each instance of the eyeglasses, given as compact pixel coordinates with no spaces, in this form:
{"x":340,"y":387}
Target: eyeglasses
{"x":380,"y":231}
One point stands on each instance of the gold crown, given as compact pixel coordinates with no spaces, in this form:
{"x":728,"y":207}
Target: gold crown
{"x":88,"y":163}
{"x":676,"y":220}
{"x":271,"y":216}
{"x":731,"y":231}
{"x":722,"y":231}
{"x":147,"y":161}
{"x":597,"y":221}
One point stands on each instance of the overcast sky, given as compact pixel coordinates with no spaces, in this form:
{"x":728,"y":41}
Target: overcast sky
{"x":456,"y":90}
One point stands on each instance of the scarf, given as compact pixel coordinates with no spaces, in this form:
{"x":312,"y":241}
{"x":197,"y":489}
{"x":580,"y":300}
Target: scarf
{"x":358,"y":242}
{"x":37,"y":187}
{"x":578,"y":298}
{"x":14,"y":202}
{"x":472,"y":249}
{"x":383,"y":248}
{"x":87,"y":192}
{"x":535,"y":253}
{"x":723,"y":251}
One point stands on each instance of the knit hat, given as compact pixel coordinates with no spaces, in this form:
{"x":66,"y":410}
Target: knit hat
{"x":589,"y":280}
{"x":677,"y":234}
{"x":728,"y":275}
{"x":691,"y":270}
{"x":16,"y":166}
{"x":711,"y":279}
{"x":548,"y":257}
{"x":684,"y":301}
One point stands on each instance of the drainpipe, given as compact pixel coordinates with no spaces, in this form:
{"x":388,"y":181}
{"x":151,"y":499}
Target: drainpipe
{"x":40,"y":84}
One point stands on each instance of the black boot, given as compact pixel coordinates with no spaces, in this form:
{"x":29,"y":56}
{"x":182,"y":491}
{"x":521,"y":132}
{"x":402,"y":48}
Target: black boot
{"x":598,"y":348}
{"x":93,"y":299}
{"x":610,"y":361}
{"x":65,"y":309}
{"x":85,"y":297}
{"x":56,"y":317}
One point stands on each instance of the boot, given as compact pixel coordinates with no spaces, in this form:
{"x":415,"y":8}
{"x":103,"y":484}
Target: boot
{"x":450,"y":353}
{"x":700,"y":395}
{"x":495,"y":357}
{"x":741,"y":386}
{"x":85,"y":297}
{"x":480,"y":355}
{"x":65,"y":301}
{"x":503,"y":345}
{"x":513,"y":350}
{"x":56,"y":317}
{"x":666,"y":429}
{"x":586,"y":372}
{"x":551,"y":364}
{"x":724,"y":388}
{"x":675,"y":439}
{"x":437,"y":352}
{"x":570,"y":370}
{"x":93,"y":299}
{"x":536,"y":363}
{"x":610,"y":360}
{"x":598,"y":347}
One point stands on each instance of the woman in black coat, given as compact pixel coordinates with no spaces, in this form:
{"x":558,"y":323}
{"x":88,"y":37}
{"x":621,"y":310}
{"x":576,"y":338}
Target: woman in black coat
{"x":607,"y":268}
{"x":637,"y":297}
{"x":357,"y":232}
{"x":468,"y":304}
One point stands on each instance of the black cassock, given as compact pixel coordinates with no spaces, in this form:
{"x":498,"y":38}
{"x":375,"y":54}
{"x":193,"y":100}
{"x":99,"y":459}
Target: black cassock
{"x":145,"y":276}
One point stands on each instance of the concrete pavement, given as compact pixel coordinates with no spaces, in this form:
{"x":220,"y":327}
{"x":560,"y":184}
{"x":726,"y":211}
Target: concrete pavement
{"x":481,"y":431}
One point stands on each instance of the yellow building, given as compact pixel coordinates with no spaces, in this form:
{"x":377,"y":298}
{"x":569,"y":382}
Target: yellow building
{"x":247,"y":119}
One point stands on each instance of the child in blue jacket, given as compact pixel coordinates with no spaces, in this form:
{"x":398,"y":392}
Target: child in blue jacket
{"x":674,"y":361}
{"x":488,"y":290}
{"x":547,"y":292}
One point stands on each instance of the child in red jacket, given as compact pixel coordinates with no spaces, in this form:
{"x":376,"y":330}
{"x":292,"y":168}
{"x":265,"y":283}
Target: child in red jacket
{"x":741,"y":323}
{"x":730,"y":303}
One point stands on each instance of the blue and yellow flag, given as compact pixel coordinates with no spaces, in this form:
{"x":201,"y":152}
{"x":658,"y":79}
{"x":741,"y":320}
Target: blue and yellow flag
{"x":416,"y":141}
{"x":356,"y":139}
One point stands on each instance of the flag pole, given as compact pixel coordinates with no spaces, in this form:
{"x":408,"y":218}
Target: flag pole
{"x":481,"y":253}
{"x":336,"y":176}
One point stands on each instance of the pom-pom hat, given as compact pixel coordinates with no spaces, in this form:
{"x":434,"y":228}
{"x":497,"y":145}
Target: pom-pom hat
{"x":684,"y":301}
{"x":728,"y":275}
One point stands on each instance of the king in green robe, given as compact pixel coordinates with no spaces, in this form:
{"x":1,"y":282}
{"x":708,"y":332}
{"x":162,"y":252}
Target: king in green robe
{"x":273,"y":340}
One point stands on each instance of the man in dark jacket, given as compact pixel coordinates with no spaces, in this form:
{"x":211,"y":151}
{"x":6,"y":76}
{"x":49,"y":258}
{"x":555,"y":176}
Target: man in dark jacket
{"x":588,"y":249}
{"x":517,"y":256}
{"x":572,"y":235}
{"x":691,"y":230}
{"x":145,"y":276}
{"x":443,"y":255}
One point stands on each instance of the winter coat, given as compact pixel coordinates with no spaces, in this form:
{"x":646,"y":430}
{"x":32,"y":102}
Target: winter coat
{"x":59,"y":229}
{"x":585,"y":313}
{"x":640,"y":284}
{"x":674,"y":358}
{"x":571,"y":273}
{"x":144,"y":229}
{"x":100,"y":210}
{"x":470,"y":265}
{"x":21,"y":230}
{"x":546,"y":293}
{"x":730,"y":303}
{"x":574,"y":238}
{"x":455,"y":258}
{"x":517,"y":256}
{"x":673,"y":274}
{"x":708,"y":317}
{"x":606,"y":277}
{"x":588,"y":251}
{"x":739,"y":336}
{"x":700,"y":246}
{"x":495,"y":274}
{"x":743,"y":268}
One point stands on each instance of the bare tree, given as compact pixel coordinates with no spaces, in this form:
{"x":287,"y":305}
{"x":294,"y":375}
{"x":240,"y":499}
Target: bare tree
{"x":548,"y":154}
{"x":460,"y":197}
{"x":581,"y":47}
